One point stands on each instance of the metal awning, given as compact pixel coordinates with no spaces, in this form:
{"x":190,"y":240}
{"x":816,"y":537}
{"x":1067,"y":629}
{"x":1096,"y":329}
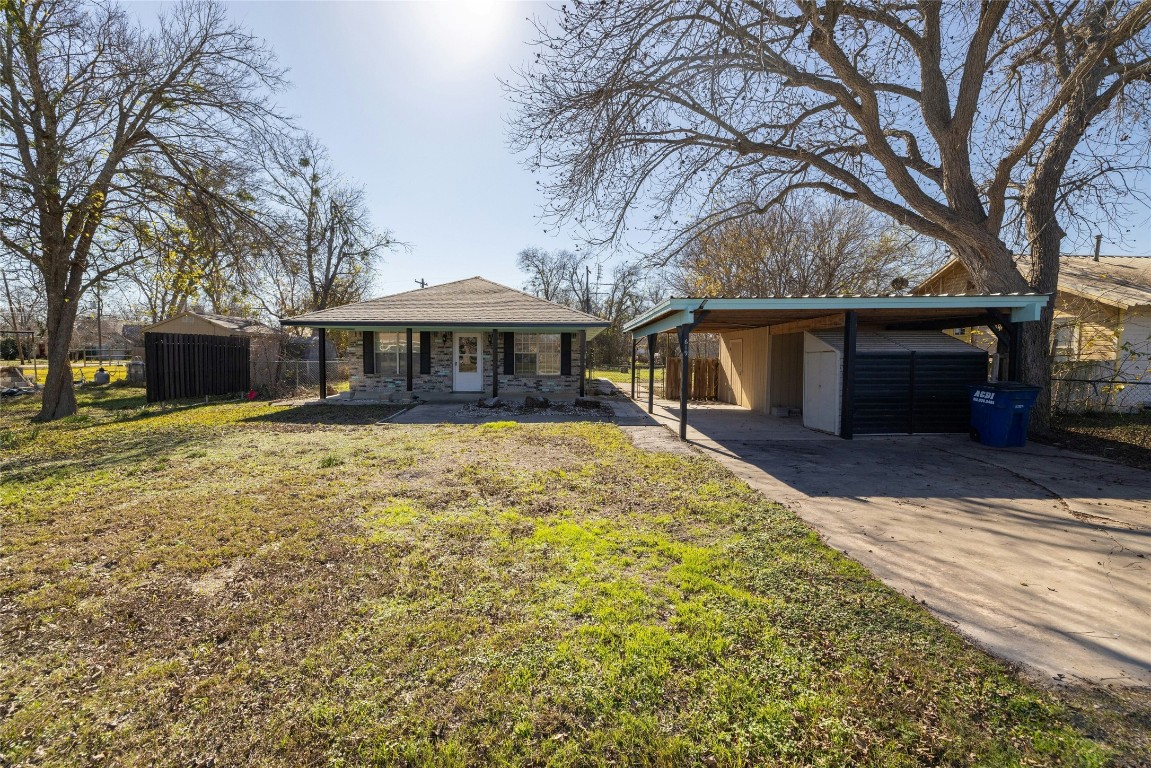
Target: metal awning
{"x":716,"y":315}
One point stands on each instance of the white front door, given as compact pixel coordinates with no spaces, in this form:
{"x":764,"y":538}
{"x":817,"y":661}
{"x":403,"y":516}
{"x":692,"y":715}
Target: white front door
{"x":468,"y":362}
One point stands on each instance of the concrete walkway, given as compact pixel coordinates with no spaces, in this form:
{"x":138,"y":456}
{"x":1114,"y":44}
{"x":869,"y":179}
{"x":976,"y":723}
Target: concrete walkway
{"x":1041,"y":555}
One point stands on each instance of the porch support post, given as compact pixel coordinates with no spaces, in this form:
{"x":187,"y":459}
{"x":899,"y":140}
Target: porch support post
{"x":632,"y":369}
{"x":495,"y":362}
{"x":847,"y":400}
{"x":651,"y":372}
{"x":323,"y":363}
{"x":582,"y":363}
{"x":408,"y":362}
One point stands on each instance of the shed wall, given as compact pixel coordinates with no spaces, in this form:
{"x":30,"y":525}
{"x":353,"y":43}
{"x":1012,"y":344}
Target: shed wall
{"x":744,"y":363}
{"x":786,"y":378}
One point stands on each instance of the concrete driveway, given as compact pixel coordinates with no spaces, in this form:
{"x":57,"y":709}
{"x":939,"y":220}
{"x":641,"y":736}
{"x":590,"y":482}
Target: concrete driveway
{"x":1041,"y":555}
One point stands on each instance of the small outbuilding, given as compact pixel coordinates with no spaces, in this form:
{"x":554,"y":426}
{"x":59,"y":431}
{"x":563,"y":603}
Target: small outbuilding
{"x":465,"y":337}
{"x":905,"y":381}
{"x":187,"y":355}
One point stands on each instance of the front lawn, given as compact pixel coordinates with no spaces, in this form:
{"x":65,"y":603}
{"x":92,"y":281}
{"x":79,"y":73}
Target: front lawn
{"x":241,"y":584}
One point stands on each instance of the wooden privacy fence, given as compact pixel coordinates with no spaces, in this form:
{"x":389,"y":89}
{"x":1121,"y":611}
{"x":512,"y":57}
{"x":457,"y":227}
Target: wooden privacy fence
{"x":704,"y":379}
{"x":179,"y":365}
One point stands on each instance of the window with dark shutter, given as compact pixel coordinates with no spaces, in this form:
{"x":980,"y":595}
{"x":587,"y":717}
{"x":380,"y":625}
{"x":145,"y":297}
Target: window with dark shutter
{"x":425,"y":352}
{"x":565,"y":354}
{"x":369,"y":352}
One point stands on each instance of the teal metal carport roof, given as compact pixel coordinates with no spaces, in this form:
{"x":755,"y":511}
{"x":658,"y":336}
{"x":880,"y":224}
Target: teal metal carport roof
{"x":715,"y":315}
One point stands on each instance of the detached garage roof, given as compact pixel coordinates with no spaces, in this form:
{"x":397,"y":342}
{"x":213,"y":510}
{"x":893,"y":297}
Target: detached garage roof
{"x":471,"y":303}
{"x":720,"y":314}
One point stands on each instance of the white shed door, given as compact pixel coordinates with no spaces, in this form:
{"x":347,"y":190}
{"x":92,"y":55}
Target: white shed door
{"x":821,"y":391}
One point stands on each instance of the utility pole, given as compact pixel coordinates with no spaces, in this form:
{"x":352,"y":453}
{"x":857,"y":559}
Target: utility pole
{"x":422,"y":283}
{"x":1098,"y":243}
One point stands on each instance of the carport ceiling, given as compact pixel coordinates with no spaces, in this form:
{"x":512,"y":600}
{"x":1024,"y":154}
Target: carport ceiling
{"x":719,"y":314}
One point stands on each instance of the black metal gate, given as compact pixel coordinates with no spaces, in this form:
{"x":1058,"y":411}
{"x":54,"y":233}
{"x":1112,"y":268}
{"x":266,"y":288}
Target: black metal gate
{"x":915,"y":392}
{"x":181,"y":365}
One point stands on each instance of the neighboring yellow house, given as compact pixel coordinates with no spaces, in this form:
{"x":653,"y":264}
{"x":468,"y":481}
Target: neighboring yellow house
{"x":1101,"y":340}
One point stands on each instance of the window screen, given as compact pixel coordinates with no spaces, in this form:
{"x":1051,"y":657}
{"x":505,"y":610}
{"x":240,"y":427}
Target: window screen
{"x":537,"y":354}
{"x":392,"y":352}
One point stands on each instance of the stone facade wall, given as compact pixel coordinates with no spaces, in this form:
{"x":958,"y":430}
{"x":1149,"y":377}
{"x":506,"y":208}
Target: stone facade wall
{"x":439,"y":381}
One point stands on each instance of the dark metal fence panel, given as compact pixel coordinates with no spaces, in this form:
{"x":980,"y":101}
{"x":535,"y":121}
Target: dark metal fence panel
{"x":178,"y":365}
{"x":917,"y":392}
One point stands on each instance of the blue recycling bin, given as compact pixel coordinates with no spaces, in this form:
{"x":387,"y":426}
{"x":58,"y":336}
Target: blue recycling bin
{"x":1000,"y":411}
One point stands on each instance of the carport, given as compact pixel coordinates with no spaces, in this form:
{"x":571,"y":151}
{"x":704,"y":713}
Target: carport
{"x":760,"y":320}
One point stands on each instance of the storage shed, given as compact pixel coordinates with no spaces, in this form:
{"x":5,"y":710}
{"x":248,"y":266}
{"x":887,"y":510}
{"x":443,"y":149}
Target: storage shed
{"x":906,"y":382}
{"x":262,"y":343}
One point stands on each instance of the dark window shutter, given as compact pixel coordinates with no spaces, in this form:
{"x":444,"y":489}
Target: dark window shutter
{"x":425,"y":351}
{"x":369,"y":351}
{"x":565,"y":354}
{"x":509,"y":343}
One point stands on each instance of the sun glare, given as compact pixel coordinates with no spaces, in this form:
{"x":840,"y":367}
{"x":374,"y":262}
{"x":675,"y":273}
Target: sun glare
{"x":463,"y":31}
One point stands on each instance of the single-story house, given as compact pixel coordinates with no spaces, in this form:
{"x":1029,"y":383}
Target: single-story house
{"x":848,"y":364}
{"x":1101,"y":334}
{"x":468,"y":336}
{"x":264,"y":341}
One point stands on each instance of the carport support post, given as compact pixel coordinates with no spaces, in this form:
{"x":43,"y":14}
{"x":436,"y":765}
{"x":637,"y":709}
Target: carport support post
{"x":1014,"y":351}
{"x":633,"y":343}
{"x":847,"y":404}
{"x":684,"y":333}
{"x":651,"y":372}
{"x":323,"y":363}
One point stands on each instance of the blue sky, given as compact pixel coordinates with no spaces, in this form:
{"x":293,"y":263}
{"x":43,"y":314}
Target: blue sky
{"x":406,"y":97}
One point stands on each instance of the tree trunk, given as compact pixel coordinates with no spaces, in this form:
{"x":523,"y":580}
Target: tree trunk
{"x":1035,"y":368}
{"x":59,"y":396}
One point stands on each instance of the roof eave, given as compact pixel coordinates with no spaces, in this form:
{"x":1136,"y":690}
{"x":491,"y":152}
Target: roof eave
{"x":675,"y":312}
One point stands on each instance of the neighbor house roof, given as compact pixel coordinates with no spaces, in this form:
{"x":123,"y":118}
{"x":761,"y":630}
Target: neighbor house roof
{"x":1121,"y":281}
{"x":238,"y":325}
{"x":1124,"y":281}
{"x":471,"y":303}
{"x":723,"y":314}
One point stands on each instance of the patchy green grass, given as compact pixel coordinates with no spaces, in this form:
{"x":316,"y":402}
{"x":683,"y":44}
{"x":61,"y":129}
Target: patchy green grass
{"x":117,"y":370}
{"x":624,"y":377}
{"x":243,"y":584}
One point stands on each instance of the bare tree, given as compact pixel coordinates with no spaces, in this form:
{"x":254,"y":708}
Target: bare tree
{"x":322,"y":242}
{"x":805,"y":249}
{"x":93,"y":110}
{"x":549,"y":274}
{"x":982,"y":126}
{"x":577,"y":281}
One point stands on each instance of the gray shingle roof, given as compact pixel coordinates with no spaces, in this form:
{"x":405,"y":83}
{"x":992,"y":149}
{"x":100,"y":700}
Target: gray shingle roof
{"x":1124,"y":281}
{"x":474,"y":302}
